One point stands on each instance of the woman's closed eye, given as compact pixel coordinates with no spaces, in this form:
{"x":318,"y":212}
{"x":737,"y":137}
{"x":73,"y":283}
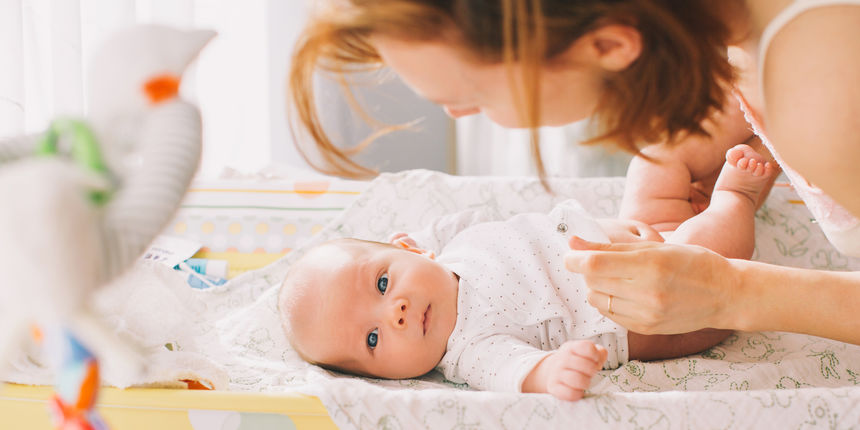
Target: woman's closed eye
{"x":382,"y":283}
{"x":373,"y":338}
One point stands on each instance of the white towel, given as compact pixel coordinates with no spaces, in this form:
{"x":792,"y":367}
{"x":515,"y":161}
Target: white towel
{"x":750,"y":381}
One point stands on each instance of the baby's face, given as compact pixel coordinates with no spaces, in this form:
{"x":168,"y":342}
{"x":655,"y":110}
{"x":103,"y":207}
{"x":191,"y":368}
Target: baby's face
{"x":376,"y":310}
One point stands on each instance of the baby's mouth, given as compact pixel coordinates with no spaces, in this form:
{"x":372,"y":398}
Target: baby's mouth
{"x":425,"y":321}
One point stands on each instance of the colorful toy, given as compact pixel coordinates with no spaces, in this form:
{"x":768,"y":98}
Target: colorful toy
{"x":84,"y":201}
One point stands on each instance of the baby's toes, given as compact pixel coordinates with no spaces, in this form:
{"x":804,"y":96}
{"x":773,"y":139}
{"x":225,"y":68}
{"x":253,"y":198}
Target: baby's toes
{"x":759,"y":169}
{"x":753,"y":166}
{"x":735,"y":154}
{"x":743,"y":163}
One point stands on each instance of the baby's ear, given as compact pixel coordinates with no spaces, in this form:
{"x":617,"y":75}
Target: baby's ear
{"x":402,"y":240}
{"x":427,"y":253}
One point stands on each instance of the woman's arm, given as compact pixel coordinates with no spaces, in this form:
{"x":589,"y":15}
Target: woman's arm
{"x":666,"y":288}
{"x":812,"y":99}
{"x":816,"y":302}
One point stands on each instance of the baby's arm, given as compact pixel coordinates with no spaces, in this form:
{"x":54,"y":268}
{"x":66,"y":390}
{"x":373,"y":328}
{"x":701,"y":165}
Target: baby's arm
{"x":566,"y":373}
{"x":504,"y":363}
{"x":659,"y":193}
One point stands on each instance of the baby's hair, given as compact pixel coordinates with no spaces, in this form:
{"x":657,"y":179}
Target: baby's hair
{"x":288,"y":300}
{"x":679,"y":80}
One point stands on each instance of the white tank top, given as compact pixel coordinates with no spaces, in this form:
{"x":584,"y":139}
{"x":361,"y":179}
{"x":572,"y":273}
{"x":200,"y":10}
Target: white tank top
{"x":839,"y":225}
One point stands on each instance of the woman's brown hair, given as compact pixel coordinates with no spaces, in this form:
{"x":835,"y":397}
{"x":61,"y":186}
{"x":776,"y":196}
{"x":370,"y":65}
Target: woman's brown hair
{"x":677,"y":82}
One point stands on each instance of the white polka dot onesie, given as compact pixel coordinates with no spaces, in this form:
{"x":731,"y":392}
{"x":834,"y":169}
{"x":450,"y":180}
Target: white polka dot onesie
{"x":516,"y":301}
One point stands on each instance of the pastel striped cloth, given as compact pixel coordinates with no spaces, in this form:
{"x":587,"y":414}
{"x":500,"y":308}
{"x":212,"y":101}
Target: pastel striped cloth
{"x":260,"y":216}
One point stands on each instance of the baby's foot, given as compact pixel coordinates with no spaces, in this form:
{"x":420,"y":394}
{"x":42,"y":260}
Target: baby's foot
{"x":746,"y":172}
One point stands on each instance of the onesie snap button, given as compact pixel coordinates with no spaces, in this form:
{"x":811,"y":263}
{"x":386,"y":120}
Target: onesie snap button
{"x":562,"y":228}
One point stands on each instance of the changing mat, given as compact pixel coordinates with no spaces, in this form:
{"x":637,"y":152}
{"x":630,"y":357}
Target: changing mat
{"x":766,"y":379}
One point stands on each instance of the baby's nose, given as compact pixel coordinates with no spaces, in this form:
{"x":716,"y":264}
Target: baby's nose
{"x":398,"y":313}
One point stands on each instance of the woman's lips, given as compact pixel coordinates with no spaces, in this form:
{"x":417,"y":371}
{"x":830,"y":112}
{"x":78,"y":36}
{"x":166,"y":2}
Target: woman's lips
{"x":426,"y":320}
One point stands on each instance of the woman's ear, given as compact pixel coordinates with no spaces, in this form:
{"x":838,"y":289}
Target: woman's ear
{"x":614,"y":47}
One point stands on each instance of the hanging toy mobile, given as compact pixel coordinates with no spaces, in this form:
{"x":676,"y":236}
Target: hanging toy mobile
{"x":85,"y":199}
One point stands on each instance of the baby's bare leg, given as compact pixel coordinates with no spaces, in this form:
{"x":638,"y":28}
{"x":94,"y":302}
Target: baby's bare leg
{"x":662,"y":346}
{"x":727,"y":226}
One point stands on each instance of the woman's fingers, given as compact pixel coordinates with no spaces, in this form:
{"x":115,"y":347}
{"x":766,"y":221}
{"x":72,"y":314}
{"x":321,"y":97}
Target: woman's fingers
{"x":625,"y":312}
{"x":580,"y":244}
{"x":655,"y":288}
{"x":616,"y":260}
{"x":618,"y":308}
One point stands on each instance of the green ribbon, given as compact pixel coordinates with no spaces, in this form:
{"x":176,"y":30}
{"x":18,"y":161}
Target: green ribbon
{"x":84,"y":150}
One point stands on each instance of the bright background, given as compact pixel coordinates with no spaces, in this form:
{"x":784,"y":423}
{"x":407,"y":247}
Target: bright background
{"x":239,"y":82}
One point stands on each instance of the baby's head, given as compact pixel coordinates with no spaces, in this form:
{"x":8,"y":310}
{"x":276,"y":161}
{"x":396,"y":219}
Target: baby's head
{"x":369,"y":308}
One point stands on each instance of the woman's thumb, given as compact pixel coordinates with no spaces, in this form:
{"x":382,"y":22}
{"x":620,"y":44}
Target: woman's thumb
{"x":580,"y":244}
{"x":577,"y":243}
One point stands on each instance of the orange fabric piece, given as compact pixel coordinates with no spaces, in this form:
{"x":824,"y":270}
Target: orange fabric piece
{"x":89,"y":388}
{"x":66,"y":417}
{"x":161,"y":88}
{"x":36,"y":333}
{"x":195,"y":385}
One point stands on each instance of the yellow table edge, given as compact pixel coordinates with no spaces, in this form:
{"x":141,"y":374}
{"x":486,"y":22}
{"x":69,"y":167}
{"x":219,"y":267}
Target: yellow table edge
{"x":22,"y":406}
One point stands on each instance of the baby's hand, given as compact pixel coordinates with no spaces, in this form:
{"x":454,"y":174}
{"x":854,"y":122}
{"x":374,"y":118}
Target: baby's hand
{"x":567,"y":372}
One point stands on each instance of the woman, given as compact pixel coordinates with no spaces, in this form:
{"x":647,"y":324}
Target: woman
{"x":650,"y":71}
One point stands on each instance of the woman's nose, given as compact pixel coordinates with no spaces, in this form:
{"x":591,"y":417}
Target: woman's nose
{"x":398,"y":313}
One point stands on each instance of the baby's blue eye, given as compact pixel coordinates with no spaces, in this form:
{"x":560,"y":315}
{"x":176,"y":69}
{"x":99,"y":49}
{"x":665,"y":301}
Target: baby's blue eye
{"x":373,"y":338}
{"x":382,"y":283}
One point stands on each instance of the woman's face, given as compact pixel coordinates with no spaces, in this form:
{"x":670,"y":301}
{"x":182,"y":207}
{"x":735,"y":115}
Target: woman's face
{"x":441,"y":72}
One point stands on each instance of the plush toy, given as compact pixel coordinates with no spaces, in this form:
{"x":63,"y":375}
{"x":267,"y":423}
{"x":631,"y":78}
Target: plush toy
{"x":84,"y":200}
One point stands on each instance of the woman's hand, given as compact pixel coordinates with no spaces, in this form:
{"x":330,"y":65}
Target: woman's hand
{"x":655,"y":288}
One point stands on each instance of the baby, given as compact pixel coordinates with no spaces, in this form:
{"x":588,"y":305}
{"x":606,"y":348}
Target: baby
{"x":670,"y":195}
{"x":488,"y":303}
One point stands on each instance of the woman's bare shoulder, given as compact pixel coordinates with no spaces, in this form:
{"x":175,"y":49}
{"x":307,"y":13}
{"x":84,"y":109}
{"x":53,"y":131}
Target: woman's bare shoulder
{"x":812,"y":97}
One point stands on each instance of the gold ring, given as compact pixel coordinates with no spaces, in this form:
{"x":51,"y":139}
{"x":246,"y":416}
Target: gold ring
{"x":609,"y":306}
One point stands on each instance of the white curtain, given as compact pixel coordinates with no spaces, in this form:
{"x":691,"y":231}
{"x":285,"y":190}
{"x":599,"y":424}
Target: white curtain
{"x":238,"y":81}
{"x":484,"y":148}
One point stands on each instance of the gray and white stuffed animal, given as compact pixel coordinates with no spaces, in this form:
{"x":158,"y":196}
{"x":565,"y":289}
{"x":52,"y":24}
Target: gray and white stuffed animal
{"x":83,"y":201}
